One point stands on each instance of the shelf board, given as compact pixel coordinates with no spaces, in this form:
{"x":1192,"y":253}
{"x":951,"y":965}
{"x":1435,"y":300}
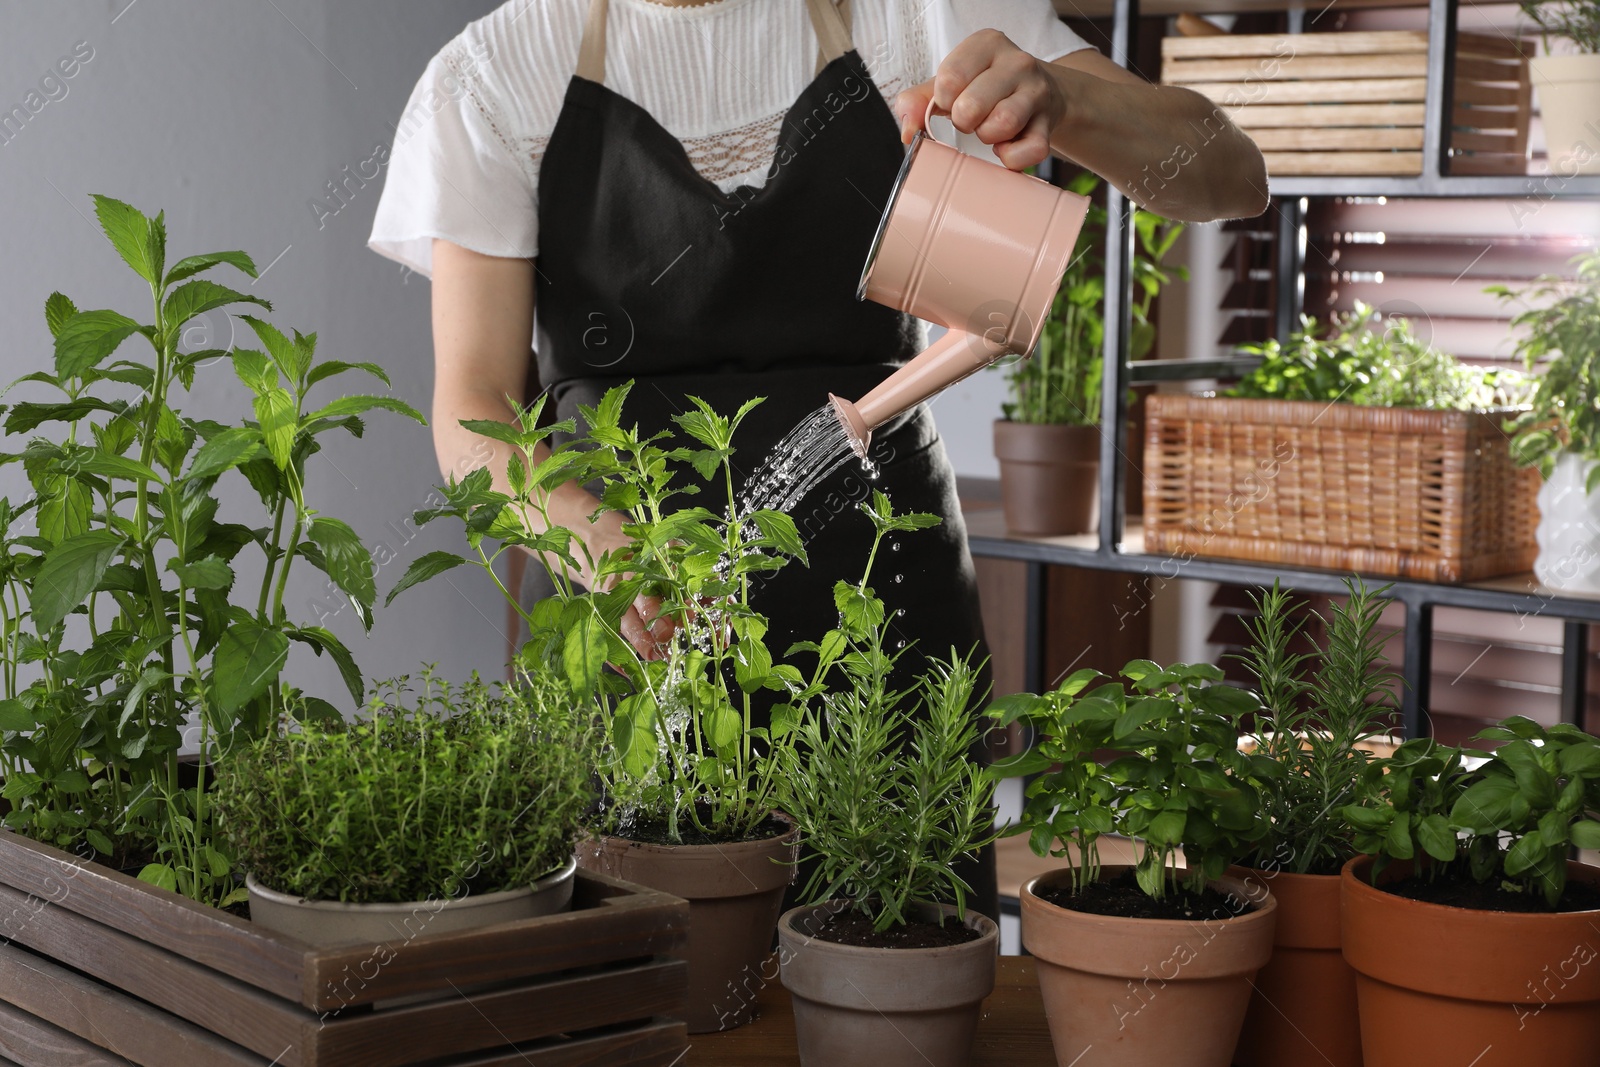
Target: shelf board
{"x":1102,"y":9}
{"x":1540,"y":186}
{"x":1518,"y":593}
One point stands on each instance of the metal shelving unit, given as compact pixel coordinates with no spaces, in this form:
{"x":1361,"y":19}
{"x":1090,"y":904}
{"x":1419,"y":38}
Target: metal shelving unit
{"x":1115,"y":550}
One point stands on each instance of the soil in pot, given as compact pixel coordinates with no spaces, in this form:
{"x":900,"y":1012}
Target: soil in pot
{"x":1303,"y":1005}
{"x":1133,"y":992}
{"x":735,"y":892}
{"x":1049,"y":477}
{"x":888,"y":1006}
{"x":850,"y":928}
{"x":1121,"y":895}
{"x":1442,"y":984}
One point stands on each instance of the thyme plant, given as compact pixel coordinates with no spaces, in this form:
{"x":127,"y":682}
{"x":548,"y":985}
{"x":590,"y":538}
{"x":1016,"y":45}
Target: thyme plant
{"x":1314,"y":734}
{"x":434,"y":792}
{"x":883,"y":784}
{"x":1179,"y":783}
{"x":125,"y":631}
{"x":1060,"y":384}
{"x":685,"y":751}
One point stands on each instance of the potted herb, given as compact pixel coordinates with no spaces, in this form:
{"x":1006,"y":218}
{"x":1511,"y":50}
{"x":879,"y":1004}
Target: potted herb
{"x":1472,"y":934}
{"x":1560,"y":433}
{"x":1048,"y":443}
{"x":124,"y":618}
{"x":1315,"y":729}
{"x":1568,"y":82}
{"x":689,"y":774}
{"x":440,"y":808}
{"x":885,"y":964}
{"x":1149,"y":963}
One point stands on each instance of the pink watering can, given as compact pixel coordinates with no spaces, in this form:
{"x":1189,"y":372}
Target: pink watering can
{"x":969,"y":245}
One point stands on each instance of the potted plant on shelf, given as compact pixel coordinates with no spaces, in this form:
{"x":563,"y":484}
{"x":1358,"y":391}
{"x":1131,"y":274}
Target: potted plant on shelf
{"x":1472,"y":934}
{"x":885,"y":964}
{"x":1568,"y":82}
{"x":1048,"y":443}
{"x":440,"y":809}
{"x":1354,"y":447}
{"x":1560,"y":432}
{"x":689,"y":776}
{"x":1150,"y":963}
{"x":124,"y":621}
{"x":1317,"y":733}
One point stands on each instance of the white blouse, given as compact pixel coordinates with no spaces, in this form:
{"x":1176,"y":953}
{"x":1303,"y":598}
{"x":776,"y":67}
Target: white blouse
{"x":719,"y":76}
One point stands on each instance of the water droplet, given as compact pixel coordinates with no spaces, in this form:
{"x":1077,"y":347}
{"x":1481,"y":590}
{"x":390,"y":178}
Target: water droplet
{"x":899,"y":578}
{"x":898,"y":645}
{"x":895,"y":547}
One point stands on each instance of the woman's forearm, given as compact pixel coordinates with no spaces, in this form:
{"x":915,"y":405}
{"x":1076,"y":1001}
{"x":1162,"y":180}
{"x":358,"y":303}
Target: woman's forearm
{"x":1166,"y":148}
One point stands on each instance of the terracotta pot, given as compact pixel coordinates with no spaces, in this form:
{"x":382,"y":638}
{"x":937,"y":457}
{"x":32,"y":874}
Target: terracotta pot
{"x":1049,"y":477}
{"x":1303,"y":1009}
{"x":887,"y":1007}
{"x":1140,"y":992}
{"x":735,"y":893}
{"x":1439,"y":984}
{"x":327,"y":923}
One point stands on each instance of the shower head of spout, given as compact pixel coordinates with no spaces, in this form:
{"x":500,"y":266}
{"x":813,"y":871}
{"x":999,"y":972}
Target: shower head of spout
{"x":855,"y":427}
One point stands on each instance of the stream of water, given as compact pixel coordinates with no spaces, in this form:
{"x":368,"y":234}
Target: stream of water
{"x":797,"y":464}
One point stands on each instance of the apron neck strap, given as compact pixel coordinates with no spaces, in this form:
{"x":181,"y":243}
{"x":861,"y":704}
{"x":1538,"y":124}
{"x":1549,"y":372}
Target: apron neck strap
{"x":829,"y":18}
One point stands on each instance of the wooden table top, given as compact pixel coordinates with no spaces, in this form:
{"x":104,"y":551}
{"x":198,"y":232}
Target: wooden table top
{"x":1013,"y":1032}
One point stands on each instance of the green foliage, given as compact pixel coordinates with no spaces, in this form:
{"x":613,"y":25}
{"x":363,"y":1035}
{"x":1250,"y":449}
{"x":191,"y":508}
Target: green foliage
{"x":1313,"y":733}
{"x":1561,"y":320}
{"x":122,"y":601}
{"x":883,"y":784}
{"x":1576,"y":20}
{"x":684,"y":748}
{"x":1061,"y":382}
{"x":1508,"y":822}
{"x":1355,"y":364}
{"x":430,"y":794}
{"x":1180,"y":781}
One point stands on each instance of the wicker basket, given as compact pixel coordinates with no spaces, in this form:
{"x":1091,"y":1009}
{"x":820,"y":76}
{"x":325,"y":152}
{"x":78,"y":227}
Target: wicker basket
{"x":1352,"y":103}
{"x":1428,"y":495}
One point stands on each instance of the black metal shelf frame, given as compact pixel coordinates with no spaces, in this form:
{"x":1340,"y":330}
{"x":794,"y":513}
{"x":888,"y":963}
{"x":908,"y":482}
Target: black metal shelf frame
{"x":1290,"y":195}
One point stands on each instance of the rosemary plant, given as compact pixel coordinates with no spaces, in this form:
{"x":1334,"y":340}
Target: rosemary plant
{"x":685,"y":751}
{"x":1575,"y":20}
{"x":436,"y":791}
{"x":1314,"y":734}
{"x":883,"y":784}
{"x":117,"y":578}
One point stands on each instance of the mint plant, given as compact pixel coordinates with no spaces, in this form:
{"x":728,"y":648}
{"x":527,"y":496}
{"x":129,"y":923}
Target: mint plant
{"x":123,"y":625}
{"x":883,"y":784}
{"x":685,"y":751}
{"x":1180,"y":781}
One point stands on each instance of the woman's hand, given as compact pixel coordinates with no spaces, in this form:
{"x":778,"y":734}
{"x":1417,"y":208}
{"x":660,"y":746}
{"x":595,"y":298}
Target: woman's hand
{"x":990,"y":87}
{"x":643,"y":625}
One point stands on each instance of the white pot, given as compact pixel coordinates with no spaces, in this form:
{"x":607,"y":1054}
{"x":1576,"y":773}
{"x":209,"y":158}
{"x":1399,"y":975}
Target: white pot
{"x":326,"y":923}
{"x":1569,"y":101}
{"x":1569,"y":529}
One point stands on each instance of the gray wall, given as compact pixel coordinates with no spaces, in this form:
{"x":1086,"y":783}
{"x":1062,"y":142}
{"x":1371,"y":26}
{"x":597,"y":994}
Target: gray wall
{"x":232,"y":115}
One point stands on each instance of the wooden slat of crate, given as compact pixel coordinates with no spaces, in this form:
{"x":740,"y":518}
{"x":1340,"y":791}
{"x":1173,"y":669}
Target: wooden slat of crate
{"x":1360,"y":164}
{"x":1298,"y":68}
{"x":1314,"y":115}
{"x":634,"y":924}
{"x":87,"y":1009}
{"x":1351,"y":91}
{"x":1483,"y":94}
{"x":1396,"y":42}
{"x":208,"y":936}
{"x":1302,"y":140}
{"x":223,"y":1005}
{"x":31,"y":1042}
{"x":419,"y":1033}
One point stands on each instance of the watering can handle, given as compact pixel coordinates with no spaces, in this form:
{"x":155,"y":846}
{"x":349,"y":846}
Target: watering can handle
{"x":927,"y":117}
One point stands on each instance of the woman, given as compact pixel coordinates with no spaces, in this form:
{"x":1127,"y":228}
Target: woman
{"x":687,"y":191}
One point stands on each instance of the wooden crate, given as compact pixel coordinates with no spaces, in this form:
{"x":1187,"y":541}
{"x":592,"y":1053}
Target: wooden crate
{"x":98,"y":969}
{"x":1389,"y":492}
{"x":1352,"y":103}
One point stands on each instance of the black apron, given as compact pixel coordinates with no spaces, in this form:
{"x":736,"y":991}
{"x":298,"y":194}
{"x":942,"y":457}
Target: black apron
{"x":647,"y":271}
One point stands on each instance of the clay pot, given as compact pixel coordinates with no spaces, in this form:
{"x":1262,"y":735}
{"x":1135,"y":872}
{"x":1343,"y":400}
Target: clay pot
{"x":1440,"y":984}
{"x":888,"y":1007}
{"x":735,"y":893}
{"x":1303,"y":1009}
{"x":1049,"y":477}
{"x":1136,"y":992}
